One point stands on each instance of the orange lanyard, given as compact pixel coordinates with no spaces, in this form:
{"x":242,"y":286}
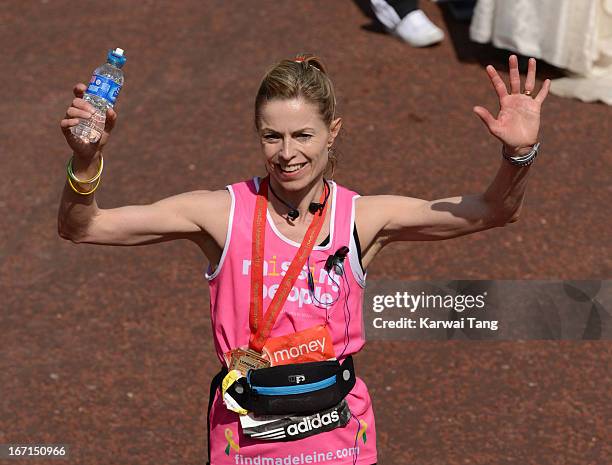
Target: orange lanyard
{"x":260,"y":324}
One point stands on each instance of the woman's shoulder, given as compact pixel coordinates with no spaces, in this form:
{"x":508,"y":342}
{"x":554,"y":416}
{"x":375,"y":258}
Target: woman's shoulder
{"x":369,"y":207}
{"x":345,"y":192}
{"x":208,"y":207}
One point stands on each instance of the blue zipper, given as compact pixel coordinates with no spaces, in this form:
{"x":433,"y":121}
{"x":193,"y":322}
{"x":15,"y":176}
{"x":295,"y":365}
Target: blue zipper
{"x":297,"y":389}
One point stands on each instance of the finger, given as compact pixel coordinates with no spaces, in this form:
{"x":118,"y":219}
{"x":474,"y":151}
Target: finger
{"x":515,"y":76}
{"x":531,"y":74}
{"x":83,"y":105}
{"x":543,"y":91}
{"x":73,"y":112}
{"x":79,"y":90}
{"x":498,"y":82}
{"x":111,"y":118}
{"x":67,"y":123}
{"x":486,"y":117}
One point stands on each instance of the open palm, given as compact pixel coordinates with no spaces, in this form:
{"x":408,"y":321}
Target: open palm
{"x":518,"y":121}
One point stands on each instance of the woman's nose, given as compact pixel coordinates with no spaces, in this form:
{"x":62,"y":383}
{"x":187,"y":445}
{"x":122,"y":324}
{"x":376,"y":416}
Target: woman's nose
{"x":287,"y":149}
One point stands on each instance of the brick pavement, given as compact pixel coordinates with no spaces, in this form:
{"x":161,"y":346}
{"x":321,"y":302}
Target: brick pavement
{"x":109,"y":349}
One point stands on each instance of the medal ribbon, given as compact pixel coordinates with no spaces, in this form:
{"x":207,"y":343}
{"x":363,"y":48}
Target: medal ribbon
{"x":260,"y":324}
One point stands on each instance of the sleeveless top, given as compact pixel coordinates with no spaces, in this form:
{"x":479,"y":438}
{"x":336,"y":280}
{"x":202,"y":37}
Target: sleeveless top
{"x":230,"y":285}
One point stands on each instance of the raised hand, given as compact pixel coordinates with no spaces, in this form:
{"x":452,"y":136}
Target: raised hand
{"x":82,"y":109}
{"x":518,"y":121}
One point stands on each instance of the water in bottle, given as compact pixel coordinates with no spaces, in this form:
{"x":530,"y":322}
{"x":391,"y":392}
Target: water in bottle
{"x":102,"y":93}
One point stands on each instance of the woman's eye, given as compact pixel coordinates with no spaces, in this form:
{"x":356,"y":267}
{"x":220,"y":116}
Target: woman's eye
{"x":304,"y":136}
{"x":270,"y":137}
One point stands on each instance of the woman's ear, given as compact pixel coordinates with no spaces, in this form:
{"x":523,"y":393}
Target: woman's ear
{"x":334,"y":129}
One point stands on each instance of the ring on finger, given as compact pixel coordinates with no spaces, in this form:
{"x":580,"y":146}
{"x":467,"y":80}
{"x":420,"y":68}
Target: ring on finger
{"x":528,"y":92}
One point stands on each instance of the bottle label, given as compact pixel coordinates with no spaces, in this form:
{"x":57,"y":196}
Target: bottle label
{"x":104,"y":87}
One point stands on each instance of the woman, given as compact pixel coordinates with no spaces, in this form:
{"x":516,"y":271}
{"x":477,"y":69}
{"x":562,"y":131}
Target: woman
{"x":254,"y":232}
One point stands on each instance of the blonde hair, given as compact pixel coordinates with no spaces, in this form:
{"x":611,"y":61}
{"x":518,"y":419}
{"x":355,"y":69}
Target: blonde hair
{"x":305,"y":77}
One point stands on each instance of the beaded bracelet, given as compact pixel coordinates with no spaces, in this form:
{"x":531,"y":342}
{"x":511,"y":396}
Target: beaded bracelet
{"x":72,"y":176}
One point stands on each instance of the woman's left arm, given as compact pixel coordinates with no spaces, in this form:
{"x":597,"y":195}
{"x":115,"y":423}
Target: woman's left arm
{"x":393,"y":218}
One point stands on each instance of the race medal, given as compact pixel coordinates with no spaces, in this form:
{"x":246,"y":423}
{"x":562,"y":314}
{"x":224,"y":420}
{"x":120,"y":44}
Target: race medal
{"x":244,"y":360}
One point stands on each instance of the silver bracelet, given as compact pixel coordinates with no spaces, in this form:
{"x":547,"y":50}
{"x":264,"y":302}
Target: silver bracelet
{"x":523,"y":160}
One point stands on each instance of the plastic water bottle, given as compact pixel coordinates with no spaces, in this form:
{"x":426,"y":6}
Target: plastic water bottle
{"x":102,"y":92}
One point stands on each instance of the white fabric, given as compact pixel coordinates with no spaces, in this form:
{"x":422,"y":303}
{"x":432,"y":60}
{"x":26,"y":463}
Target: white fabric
{"x":385,"y":13}
{"x":572,"y":34}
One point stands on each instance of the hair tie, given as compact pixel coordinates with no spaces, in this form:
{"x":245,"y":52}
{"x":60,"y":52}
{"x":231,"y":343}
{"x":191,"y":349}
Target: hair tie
{"x":303,"y":60}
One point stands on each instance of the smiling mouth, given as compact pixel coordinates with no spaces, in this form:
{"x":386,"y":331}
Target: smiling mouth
{"x":291,"y":168}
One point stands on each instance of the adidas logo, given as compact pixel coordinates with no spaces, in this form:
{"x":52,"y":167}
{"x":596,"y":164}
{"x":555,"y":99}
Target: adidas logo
{"x":313,"y":422}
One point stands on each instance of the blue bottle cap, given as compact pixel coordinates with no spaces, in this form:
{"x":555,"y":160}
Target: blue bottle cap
{"x":116,"y":57}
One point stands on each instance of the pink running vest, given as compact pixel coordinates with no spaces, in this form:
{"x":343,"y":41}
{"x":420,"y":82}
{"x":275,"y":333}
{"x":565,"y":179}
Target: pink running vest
{"x":229,"y":303}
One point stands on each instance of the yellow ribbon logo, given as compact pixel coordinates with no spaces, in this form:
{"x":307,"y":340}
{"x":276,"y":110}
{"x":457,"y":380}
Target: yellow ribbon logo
{"x":229,"y":436}
{"x":362,"y":430}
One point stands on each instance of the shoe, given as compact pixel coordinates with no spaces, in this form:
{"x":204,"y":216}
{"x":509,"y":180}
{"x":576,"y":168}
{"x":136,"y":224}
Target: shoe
{"x":417,"y":29}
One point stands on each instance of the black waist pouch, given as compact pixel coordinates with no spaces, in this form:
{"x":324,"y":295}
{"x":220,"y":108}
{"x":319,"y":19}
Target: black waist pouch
{"x":298,"y":388}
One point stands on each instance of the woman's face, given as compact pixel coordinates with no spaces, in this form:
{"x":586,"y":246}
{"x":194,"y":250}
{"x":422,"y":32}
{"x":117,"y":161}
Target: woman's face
{"x":295,"y":141}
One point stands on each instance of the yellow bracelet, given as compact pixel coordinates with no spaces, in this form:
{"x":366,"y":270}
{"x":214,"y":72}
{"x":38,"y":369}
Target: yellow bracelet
{"x":80,"y":192}
{"x":88,"y":181}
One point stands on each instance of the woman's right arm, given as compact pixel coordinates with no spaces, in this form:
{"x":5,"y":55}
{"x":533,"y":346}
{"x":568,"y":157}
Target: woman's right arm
{"x":178,"y":217}
{"x":181,"y":216}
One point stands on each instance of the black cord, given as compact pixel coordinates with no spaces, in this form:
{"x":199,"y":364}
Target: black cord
{"x":341,"y":290}
{"x":317,"y":302}
{"x":347,"y":321}
{"x":294,"y":212}
{"x":347,"y":315}
{"x":356,"y":438}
